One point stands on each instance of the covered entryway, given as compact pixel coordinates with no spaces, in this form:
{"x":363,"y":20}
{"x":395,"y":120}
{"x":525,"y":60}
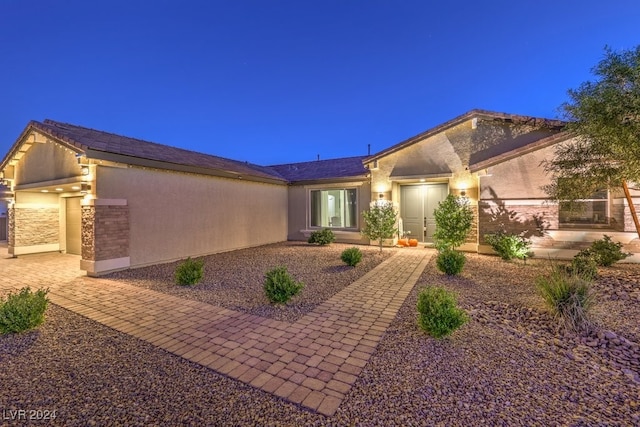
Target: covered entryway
{"x":417,"y":203}
{"x":73,"y":225}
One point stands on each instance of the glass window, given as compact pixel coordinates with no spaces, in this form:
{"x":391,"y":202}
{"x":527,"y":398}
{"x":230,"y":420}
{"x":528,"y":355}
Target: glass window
{"x":592,"y":211}
{"x":335,"y":208}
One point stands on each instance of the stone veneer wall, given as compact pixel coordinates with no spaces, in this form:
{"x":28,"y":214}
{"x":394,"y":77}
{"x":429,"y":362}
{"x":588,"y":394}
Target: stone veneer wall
{"x":105,"y":232}
{"x":622,"y":219}
{"x":34,"y":226}
{"x":11,"y":240}
{"x":531,"y":220}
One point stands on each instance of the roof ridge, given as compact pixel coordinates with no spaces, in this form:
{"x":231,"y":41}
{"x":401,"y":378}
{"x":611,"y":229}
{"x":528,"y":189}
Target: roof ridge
{"x":319,"y":161}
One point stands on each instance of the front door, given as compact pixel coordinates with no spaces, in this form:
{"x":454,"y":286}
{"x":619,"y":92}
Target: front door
{"x":417,"y":203}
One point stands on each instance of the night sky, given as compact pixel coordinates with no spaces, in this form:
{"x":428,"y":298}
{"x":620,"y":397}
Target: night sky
{"x":274,"y":81}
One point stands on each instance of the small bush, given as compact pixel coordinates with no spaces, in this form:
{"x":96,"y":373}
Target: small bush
{"x":584,"y":265}
{"x":569,"y":298}
{"x":607,"y":252}
{"x":279,"y":286}
{"x":23,"y":311}
{"x":438,"y":314}
{"x":351,"y":256}
{"x":322,"y":237}
{"x":509,"y":246}
{"x":450,"y":261}
{"x":190,"y":272}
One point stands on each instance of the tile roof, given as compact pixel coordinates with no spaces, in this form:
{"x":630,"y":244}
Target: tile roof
{"x":91,"y":139}
{"x":347,"y":167}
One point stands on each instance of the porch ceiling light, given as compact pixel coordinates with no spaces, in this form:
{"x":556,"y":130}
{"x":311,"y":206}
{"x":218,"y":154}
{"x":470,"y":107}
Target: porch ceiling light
{"x":59,"y":189}
{"x":44,"y":191}
{"x":75,"y":187}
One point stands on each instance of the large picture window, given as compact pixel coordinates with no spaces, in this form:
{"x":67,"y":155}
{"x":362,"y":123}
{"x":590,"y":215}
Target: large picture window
{"x":335,"y":208}
{"x":586,"y":212}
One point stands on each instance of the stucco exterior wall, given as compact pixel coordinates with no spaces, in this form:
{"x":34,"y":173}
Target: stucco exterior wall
{"x":46,"y":161}
{"x":300,"y":205}
{"x":175,"y":215}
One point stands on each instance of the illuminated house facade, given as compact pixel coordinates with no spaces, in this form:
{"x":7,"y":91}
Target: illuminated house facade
{"x":120,"y":202}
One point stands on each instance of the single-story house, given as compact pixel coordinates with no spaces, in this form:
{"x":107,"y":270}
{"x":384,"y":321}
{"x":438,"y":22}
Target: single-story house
{"x":121,"y":202}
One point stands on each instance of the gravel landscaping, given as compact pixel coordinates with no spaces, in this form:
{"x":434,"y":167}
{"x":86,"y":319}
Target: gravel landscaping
{"x":507,"y":366}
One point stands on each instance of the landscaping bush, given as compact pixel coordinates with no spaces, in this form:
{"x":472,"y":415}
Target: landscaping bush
{"x":584,"y":265}
{"x":190,"y":272}
{"x":380,"y":222}
{"x":569,"y":297}
{"x":438,"y":314}
{"x":279,"y":286}
{"x":351,"y":256}
{"x":454,"y":219}
{"x":322,"y":237}
{"x":450,"y":261}
{"x":509,"y":246}
{"x":607,"y":252}
{"x":23,"y":311}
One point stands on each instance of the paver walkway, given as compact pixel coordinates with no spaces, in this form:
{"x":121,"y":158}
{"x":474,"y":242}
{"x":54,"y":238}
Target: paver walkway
{"x":313,"y":362}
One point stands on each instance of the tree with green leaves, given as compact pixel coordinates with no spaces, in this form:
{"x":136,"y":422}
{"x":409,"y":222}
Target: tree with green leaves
{"x":454,"y":219}
{"x":604,"y":117}
{"x":380,"y":222}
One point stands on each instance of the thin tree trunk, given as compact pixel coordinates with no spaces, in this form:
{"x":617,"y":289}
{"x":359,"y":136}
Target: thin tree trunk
{"x":632,"y":208}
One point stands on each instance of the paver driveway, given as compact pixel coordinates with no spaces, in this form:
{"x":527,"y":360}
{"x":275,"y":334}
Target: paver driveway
{"x":313,"y":362}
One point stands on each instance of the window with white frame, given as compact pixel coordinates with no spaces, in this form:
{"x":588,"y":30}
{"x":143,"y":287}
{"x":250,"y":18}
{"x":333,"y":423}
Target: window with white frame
{"x":334,"y":208}
{"x":593,"y":211}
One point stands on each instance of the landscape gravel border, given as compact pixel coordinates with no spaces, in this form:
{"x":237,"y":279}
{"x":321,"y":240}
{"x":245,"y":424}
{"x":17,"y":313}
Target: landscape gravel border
{"x":508,"y":366}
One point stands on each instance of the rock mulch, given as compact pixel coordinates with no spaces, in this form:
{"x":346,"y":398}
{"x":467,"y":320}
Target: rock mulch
{"x":234,"y":280}
{"x":508,"y":366}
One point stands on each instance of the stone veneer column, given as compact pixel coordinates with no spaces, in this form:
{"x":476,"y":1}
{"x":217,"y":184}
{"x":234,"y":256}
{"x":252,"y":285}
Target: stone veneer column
{"x":105,"y":236}
{"x":33,"y":228}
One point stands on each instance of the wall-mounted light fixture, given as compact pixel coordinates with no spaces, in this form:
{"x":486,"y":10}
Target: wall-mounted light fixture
{"x":84,"y":170}
{"x":381,"y":196}
{"x":463,"y":192}
{"x":85,"y":188}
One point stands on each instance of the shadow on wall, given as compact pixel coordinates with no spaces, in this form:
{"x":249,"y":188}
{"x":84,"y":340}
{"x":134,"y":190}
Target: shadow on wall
{"x":527,"y":222}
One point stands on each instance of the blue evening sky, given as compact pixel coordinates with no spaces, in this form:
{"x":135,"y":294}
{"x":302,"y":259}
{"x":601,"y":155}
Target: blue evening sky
{"x":279,"y":81}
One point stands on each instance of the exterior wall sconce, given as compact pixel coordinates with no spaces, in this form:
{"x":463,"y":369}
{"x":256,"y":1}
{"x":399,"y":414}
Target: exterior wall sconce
{"x":85,"y":188}
{"x":381,"y":196}
{"x":463,"y":193}
{"x":84,"y":170}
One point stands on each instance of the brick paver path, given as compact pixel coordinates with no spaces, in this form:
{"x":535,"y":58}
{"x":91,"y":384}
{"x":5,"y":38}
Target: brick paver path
{"x":313,"y":362}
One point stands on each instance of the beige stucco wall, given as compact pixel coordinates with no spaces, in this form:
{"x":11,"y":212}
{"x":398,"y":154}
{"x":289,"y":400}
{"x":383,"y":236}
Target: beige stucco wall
{"x":46,"y":161}
{"x":175,"y":215}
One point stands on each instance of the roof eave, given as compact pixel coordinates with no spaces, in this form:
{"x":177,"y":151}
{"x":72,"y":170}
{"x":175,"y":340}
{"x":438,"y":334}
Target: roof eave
{"x":535,"y":146}
{"x":327,"y":181}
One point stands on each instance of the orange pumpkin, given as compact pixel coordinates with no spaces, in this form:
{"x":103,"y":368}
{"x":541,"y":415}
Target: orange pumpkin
{"x":403,"y":242}
{"x":413,"y":242}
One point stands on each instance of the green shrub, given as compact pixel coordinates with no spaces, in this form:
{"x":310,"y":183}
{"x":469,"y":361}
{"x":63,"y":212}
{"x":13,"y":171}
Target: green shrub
{"x":351,"y":256}
{"x":607,"y":252}
{"x":454,"y":219}
{"x":322,"y":237}
{"x":584,"y":265}
{"x":450,"y":261}
{"x":23,"y":311}
{"x":279,"y":286}
{"x":569,"y":298}
{"x":190,"y":272}
{"x":509,"y":246}
{"x":438,"y":314}
{"x":380,"y":222}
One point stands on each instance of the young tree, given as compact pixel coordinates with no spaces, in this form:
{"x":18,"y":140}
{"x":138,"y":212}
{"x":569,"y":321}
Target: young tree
{"x":454,"y":219}
{"x":604,"y":116}
{"x":380,"y":222}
